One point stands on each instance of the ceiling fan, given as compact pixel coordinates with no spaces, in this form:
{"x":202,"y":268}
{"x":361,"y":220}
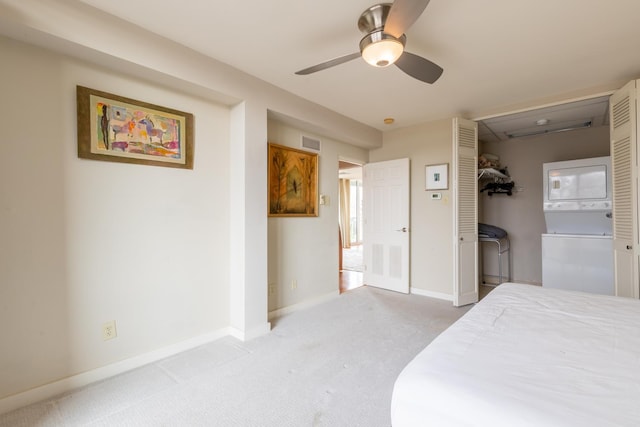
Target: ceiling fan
{"x":384,"y":25}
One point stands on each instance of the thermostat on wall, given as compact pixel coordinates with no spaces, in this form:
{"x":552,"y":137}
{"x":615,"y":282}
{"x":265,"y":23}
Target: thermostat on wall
{"x":436,"y":196}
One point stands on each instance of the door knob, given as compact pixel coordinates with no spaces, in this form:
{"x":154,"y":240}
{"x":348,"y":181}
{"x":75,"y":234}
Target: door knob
{"x":629,"y":247}
{"x":403,"y":229}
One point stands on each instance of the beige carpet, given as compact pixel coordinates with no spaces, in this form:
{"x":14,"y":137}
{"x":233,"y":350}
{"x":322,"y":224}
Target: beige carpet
{"x":331,"y":365}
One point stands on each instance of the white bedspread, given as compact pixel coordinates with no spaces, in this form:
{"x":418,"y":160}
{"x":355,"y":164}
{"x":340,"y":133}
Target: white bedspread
{"x":528,"y":356}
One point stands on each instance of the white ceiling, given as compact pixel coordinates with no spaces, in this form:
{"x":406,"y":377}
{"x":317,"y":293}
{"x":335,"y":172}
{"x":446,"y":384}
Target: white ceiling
{"x":592,"y":112}
{"x":496,"y":54}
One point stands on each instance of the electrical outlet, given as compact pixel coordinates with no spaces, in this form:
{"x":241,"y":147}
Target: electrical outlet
{"x":294,"y":284}
{"x":109,"y":330}
{"x":272,"y":288}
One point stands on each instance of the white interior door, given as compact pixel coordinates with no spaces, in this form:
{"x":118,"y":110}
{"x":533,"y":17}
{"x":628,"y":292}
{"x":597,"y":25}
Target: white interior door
{"x":386,"y":225}
{"x":465,"y":196}
{"x":623,"y":122}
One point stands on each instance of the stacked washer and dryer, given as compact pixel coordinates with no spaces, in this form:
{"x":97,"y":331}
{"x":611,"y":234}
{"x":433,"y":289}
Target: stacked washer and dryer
{"x":577,"y":249}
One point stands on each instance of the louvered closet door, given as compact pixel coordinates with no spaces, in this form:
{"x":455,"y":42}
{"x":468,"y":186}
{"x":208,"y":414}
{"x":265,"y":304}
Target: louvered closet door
{"x":465,"y":187}
{"x":622,"y":107}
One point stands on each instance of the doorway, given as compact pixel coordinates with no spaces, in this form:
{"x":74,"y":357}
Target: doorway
{"x":351,"y":258}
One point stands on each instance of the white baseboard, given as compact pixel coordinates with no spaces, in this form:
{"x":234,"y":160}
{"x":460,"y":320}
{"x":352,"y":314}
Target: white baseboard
{"x":305,"y":304}
{"x":251,"y":334}
{"x":494,"y":280}
{"x":430,"y":294}
{"x":64,"y":385}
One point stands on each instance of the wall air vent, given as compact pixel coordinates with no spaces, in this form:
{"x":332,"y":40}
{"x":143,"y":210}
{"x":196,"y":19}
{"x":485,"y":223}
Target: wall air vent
{"x":310,"y":143}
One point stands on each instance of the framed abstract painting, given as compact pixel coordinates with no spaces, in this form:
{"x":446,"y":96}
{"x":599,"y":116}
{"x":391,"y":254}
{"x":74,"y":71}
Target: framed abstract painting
{"x":118,"y":129}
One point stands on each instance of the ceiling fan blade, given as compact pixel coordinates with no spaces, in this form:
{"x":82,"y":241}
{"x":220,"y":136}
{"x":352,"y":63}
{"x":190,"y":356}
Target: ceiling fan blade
{"x":402,"y":15}
{"x":419,"y":68}
{"x":328,"y":64}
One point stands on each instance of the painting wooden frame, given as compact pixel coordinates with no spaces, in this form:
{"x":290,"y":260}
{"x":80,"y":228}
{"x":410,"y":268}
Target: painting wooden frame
{"x":292,"y":182}
{"x":118,"y":129}
{"x":437,"y":177}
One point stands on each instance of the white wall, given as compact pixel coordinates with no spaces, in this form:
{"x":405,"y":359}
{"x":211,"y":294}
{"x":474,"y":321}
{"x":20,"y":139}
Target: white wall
{"x":61,"y":260}
{"x":85,"y":242}
{"x":431,"y":264}
{"x":521,"y":215}
{"x":83,"y":32}
{"x":306,"y":249}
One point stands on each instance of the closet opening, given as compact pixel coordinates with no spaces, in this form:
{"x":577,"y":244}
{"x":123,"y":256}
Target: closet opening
{"x":520,"y":143}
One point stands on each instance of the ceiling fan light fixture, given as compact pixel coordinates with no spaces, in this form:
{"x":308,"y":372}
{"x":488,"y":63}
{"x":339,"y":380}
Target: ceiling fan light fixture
{"x":384,"y":26}
{"x":380,"y":49}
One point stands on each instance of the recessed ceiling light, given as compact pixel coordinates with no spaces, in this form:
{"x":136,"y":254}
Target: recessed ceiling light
{"x":389,"y":121}
{"x":542,"y":122}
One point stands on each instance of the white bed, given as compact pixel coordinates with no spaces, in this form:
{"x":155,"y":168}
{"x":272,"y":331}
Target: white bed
{"x":528,"y":356}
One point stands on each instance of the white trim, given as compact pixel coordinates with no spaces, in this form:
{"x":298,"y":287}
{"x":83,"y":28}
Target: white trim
{"x":351,"y":160}
{"x":305,"y":304}
{"x":544,"y":105}
{"x":55,"y":388}
{"x":253,"y":333}
{"x":491,"y":280}
{"x":430,"y":294}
